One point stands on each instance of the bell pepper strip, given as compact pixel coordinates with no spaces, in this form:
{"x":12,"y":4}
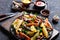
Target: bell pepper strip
{"x":47,"y":24}
{"x":34,"y":24}
{"x":23,"y":35}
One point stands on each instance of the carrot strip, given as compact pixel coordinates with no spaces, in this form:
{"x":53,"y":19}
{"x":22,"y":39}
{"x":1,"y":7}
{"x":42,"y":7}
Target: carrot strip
{"x":23,"y":35}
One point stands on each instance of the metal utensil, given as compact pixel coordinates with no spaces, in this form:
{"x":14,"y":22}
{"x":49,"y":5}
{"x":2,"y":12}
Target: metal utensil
{"x":10,"y":15}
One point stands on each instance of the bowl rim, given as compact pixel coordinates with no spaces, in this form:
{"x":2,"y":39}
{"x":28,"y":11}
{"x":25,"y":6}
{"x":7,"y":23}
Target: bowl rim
{"x":26,"y":3}
{"x":40,"y":1}
{"x":44,"y":14}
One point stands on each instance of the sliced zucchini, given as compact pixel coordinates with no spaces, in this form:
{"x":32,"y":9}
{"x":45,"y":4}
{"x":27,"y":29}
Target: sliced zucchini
{"x":17,"y":23}
{"x":33,"y":29}
{"x":35,"y":36}
{"x":45,"y":32}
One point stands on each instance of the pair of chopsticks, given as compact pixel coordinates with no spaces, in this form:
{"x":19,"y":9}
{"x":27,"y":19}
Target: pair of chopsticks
{"x":9,"y":15}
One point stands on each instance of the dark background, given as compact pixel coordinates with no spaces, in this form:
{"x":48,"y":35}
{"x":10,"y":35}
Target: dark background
{"x":53,"y":6}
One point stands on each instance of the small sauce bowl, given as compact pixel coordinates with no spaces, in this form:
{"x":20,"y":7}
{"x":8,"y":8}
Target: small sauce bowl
{"x":45,"y":12}
{"x":39,"y":5}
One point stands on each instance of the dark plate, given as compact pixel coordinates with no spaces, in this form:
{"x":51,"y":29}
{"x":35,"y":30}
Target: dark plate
{"x":12,"y":30}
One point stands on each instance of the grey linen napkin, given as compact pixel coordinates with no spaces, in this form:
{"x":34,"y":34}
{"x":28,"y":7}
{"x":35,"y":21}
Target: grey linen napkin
{"x":55,"y":32}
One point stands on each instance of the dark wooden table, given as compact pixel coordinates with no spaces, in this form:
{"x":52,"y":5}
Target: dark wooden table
{"x":53,"y":6}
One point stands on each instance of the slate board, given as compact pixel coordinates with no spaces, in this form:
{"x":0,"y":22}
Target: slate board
{"x":6,"y":25}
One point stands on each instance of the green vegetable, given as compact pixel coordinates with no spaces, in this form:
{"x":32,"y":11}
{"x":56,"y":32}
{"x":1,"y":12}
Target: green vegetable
{"x":25,"y":31}
{"x":40,"y":30}
{"x":37,"y":27}
{"x":35,"y":36}
{"x":32,"y":19}
{"x":22,"y":26}
{"x":12,"y":26}
{"x":25,"y":12}
{"x":25,"y":22}
{"x":36,"y":14}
